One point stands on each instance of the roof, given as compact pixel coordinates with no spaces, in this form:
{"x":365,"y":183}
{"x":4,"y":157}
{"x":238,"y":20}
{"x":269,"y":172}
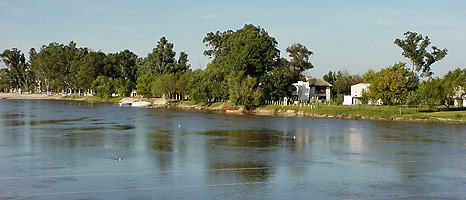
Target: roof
{"x":317,"y":82}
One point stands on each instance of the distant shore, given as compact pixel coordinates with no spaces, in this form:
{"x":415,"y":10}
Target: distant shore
{"x":377,"y":113}
{"x":28,"y":96}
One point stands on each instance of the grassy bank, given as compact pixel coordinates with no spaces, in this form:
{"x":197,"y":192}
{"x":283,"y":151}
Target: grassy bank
{"x":416,"y":113}
{"x":395,"y":113}
{"x":93,"y":98}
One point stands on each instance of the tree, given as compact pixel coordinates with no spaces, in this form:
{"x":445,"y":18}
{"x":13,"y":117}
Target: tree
{"x":5,"y":80}
{"x":18,"y":70}
{"x":124,"y":86}
{"x":393,"y":84}
{"x":277,"y":84}
{"x":249,"y":53}
{"x":57,"y":65}
{"x":243,"y":90}
{"x":161,"y":60}
{"x":144,"y":85}
{"x":183,"y":62}
{"x":435,"y":91}
{"x":126,"y":61}
{"x":344,"y":81}
{"x":300,"y":59}
{"x":103,"y":86}
{"x":164,"y":85}
{"x":249,"y":49}
{"x":88,"y":69}
{"x":414,"y":48}
{"x":330,"y":77}
{"x":368,"y":76}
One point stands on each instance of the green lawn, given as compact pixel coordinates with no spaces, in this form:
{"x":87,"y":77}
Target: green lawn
{"x":377,"y":112}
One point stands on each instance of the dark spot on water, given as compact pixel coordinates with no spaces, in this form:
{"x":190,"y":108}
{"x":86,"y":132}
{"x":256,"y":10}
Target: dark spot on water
{"x":12,"y":115}
{"x":104,"y":123}
{"x":411,"y":153}
{"x":123,"y":127}
{"x":8,"y":123}
{"x":245,"y":138}
{"x":57,"y":121}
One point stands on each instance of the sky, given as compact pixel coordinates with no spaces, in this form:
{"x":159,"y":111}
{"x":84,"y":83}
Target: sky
{"x":352,"y":35}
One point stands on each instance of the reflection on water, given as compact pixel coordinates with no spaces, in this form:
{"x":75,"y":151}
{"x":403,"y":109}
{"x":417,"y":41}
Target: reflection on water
{"x":199,"y":155}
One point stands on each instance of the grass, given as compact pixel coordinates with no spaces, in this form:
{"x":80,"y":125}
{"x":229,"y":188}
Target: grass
{"x":376,"y":112}
{"x":93,"y":98}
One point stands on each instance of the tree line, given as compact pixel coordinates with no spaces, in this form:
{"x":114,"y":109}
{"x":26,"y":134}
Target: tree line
{"x":246,"y":69}
{"x":397,"y":85}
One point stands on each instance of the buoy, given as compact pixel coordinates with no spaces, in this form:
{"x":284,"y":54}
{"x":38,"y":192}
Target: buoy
{"x":179,"y":125}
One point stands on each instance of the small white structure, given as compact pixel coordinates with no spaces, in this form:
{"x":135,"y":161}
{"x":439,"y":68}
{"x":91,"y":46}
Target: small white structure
{"x":356,"y":93}
{"x":312,"y":88}
{"x":460,"y":97}
{"x":347,"y":100}
{"x":134,"y":93}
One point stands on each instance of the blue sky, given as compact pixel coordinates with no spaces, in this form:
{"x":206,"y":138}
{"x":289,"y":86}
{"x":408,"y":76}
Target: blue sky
{"x":349,"y":34}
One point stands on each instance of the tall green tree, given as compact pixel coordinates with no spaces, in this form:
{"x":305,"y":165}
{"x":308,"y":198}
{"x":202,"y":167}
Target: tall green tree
{"x":414,"y":47}
{"x":18,"y":70}
{"x":164,"y":85}
{"x":249,"y":49}
{"x":145,"y":84}
{"x":56,"y":65}
{"x":300,"y":59}
{"x":161,"y":60}
{"x":104,"y":86}
{"x":243,"y":90}
{"x":330,"y":77}
{"x":277,"y":84}
{"x":393,"y":84}
{"x":244,"y":55}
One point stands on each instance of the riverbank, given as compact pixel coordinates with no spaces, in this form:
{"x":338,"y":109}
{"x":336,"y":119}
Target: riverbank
{"x":35,"y":96}
{"x":385,"y":113}
{"x":28,"y":96}
{"x":361,"y":112}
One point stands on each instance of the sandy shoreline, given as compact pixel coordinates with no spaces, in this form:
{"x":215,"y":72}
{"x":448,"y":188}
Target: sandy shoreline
{"x":27,"y":96}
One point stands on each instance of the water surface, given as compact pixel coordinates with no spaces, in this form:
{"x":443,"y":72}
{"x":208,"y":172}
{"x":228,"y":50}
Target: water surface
{"x":70,"y":150}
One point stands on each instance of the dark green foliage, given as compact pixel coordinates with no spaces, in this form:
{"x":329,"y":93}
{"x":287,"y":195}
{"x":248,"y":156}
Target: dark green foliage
{"x":5,"y":83}
{"x":365,"y":97}
{"x":344,"y":81}
{"x":393,"y":84}
{"x":330,"y":77}
{"x":104,"y":86}
{"x":414,"y":48}
{"x":277,"y":84}
{"x":249,"y":49}
{"x":18,"y":73}
{"x":144,"y":85}
{"x":300,"y":59}
{"x":243,"y":90}
{"x":124,"y":86}
{"x":164,"y":85}
{"x":162,"y":60}
{"x":443,"y":91}
{"x":244,"y":56}
{"x":207,"y":86}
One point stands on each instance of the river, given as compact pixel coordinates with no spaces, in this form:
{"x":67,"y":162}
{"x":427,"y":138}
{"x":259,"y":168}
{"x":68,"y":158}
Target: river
{"x":52,"y":149}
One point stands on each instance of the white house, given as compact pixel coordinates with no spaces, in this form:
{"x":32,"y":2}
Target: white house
{"x":312,"y":88}
{"x":356,"y":93}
